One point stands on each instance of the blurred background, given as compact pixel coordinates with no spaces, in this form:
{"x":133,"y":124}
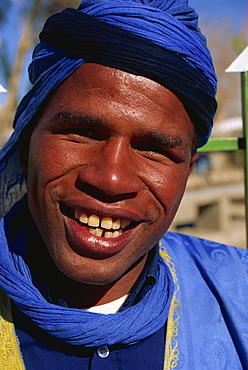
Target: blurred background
{"x":213,"y":205}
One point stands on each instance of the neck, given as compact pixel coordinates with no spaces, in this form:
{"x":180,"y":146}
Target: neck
{"x":76,"y":294}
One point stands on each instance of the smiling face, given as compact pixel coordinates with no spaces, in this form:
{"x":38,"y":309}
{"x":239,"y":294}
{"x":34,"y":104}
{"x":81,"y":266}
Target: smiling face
{"x":107,"y":166}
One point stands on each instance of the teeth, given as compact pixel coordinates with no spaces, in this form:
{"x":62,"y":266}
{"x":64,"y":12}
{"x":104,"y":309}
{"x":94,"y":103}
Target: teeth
{"x":94,"y":221}
{"x":109,"y":234}
{"x":77,"y":214}
{"x":92,"y":231}
{"x":96,"y":232}
{"x":83,"y":218}
{"x":117,"y":233}
{"x":107,"y":223}
{"x":99,"y":232}
{"x":116,"y":225}
{"x":125,"y":223}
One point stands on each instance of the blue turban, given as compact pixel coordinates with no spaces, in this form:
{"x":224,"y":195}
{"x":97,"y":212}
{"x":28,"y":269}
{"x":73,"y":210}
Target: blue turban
{"x":158,"y":39}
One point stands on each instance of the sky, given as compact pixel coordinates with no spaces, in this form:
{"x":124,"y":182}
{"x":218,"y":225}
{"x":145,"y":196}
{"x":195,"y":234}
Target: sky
{"x":216,"y":11}
{"x":219,"y":10}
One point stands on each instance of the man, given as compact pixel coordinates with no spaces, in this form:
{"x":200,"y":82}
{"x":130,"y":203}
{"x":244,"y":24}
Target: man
{"x":123,"y":95}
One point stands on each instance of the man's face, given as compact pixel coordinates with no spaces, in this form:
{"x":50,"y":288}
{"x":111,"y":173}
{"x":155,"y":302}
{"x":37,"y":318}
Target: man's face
{"x":107,"y":167}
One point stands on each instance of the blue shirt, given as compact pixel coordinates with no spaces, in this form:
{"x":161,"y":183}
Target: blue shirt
{"x":39,"y":348}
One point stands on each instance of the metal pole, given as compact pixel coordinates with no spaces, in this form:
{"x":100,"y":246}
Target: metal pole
{"x":244,"y":92}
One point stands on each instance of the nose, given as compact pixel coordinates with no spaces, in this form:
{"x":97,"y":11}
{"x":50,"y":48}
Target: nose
{"x":112,"y":171}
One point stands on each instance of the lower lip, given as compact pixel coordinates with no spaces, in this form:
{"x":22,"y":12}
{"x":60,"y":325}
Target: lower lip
{"x":88,"y":245}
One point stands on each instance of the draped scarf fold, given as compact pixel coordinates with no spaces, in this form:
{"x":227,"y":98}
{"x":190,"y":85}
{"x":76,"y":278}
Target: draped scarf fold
{"x":75,"y":326}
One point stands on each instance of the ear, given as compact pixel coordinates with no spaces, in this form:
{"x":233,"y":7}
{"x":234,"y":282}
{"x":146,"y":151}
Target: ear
{"x":193,"y":162}
{"x":23,"y":146}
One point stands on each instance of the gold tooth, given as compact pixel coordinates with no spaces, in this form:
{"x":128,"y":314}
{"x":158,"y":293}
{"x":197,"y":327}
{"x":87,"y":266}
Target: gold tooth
{"x":94,"y":221}
{"x":107,"y":223}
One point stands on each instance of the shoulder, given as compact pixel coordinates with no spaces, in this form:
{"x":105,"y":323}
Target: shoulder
{"x":211,"y":281}
{"x":194,"y":246}
{"x":191,"y":254}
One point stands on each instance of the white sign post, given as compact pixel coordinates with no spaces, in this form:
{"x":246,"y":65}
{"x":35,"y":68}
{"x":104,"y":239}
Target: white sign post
{"x":2,"y":89}
{"x":240,"y":64}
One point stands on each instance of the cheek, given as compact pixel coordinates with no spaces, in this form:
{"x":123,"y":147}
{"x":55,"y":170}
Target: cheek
{"x":45,"y":164}
{"x":51,"y":159}
{"x":167,"y":183}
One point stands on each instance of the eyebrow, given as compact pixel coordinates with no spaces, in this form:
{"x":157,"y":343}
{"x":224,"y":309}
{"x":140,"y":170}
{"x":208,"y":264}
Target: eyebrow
{"x":70,"y":117}
{"x":162,"y":140}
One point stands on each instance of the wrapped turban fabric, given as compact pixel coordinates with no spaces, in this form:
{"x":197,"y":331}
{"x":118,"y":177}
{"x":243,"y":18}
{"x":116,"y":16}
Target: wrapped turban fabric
{"x":158,"y":39}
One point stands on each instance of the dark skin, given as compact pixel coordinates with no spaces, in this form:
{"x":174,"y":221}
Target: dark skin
{"x":108,"y":144}
{"x":73,"y":292}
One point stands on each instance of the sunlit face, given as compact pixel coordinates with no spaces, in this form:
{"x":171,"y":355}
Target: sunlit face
{"x":107,"y":168}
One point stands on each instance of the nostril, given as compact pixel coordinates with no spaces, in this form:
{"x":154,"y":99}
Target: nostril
{"x":101,"y":195}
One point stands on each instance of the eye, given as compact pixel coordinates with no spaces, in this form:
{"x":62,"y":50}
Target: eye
{"x":89,"y":132}
{"x":157,"y":152}
{"x":84,"y":132}
{"x":150,"y":147}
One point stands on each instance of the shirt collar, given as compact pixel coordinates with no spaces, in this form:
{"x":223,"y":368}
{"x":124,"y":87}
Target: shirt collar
{"x":146,"y":280}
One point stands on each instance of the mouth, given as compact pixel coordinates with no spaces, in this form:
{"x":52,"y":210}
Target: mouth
{"x":100,"y":235}
{"x":103,"y":226}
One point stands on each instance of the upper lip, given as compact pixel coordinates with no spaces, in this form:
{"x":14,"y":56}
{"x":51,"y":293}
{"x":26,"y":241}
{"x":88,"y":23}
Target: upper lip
{"x":104,"y":211}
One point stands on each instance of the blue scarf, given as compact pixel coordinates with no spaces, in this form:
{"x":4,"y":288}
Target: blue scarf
{"x":75,"y":326}
{"x":209,"y":327}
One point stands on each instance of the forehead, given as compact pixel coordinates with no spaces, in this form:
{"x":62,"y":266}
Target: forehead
{"x":112,"y":94}
{"x":115,"y":83}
